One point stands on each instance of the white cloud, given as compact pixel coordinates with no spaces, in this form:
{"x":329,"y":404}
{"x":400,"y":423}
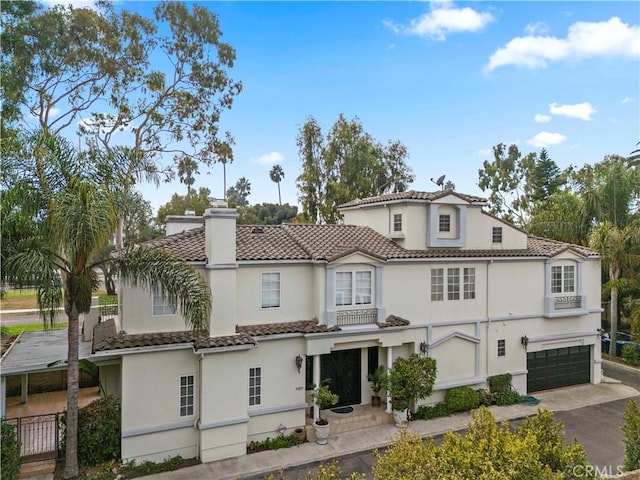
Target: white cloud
{"x":537,"y":28}
{"x":269,"y":158}
{"x":544,"y":139}
{"x":75,"y":3}
{"x":612,"y":38}
{"x":582,"y":111}
{"x":540,"y":118}
{"x":484,"y":152}
{"x":442,"y":20}
{"x":626,"y":100}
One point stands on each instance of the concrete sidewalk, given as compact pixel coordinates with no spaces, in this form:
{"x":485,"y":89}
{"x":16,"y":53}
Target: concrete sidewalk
{"x":567,"y":398}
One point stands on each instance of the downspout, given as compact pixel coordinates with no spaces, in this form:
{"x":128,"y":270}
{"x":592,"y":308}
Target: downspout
{"x":488,"y":317}
{"x":196,"y":422}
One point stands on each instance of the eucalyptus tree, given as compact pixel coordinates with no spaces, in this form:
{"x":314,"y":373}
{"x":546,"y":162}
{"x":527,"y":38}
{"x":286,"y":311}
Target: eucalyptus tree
{"x":276,"y":175}
{"x":79,"y":215}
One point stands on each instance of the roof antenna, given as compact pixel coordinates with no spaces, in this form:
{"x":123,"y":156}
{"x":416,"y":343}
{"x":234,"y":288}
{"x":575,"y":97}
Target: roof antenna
{"x":440,"y":181}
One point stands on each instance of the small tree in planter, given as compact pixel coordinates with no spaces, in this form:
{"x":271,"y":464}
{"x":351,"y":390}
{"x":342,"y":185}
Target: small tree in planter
{"x":377,"y":380}
{"x":324,"y":398}
{"x":409,"y":380}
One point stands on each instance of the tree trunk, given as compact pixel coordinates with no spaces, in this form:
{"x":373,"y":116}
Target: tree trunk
{"x":73,"y":383}
{"x":279,"y":197}
{"x":120,"y":231}
{"x":614,"y":321}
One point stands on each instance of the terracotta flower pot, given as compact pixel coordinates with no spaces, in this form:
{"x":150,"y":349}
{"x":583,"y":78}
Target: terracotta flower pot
{"x":300,"y":433}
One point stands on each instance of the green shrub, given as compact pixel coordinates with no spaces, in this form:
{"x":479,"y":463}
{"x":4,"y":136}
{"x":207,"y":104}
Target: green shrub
{"x":98,"y":431}
{"x":500,"y":383}
{"x":631,"y":431}
{"x":507,"y":398}
{"x":427,"y":412}
{"x":461,"y":399}
{"x":10,"y":452}
{"x":281,"y":441}
{"x":630,"y":355}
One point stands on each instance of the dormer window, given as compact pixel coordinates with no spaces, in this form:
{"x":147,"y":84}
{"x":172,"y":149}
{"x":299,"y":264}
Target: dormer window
{"x":397,"y":222}
{"x":496,"y":235}
{"x":563,"y":279}
{"x":444,"y":223}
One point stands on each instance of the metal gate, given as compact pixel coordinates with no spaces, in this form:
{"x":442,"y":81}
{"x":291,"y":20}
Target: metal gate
{"x":39,"y":436}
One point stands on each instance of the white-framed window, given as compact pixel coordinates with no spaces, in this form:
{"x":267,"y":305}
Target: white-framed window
{"x":455,"y":283}
{"x":255,"y":386}
{"x":469,"y":286}
{"x":270,"y":290}
{"x":160,"y":303}
{"x":348,"y":293}
{"x":397,"y":222}
{"x":437,"y":284}
{"x":444,"y":223}
{"x":496,"y":235}
{"x":502,"y":347}
{"x":187,"y":395}
{"x":563,"y":279}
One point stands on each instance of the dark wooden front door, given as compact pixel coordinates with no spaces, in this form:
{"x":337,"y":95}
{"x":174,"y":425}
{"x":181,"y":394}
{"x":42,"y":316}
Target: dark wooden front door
{"x":343,"y":370}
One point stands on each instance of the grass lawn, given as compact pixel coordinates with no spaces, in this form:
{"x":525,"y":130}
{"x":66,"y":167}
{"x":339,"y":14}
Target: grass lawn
{"x":16,"y":329}
{"x":23,"y":299}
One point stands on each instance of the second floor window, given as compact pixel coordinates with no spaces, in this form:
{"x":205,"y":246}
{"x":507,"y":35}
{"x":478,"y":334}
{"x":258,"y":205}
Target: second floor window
{"x":496,"y":235}
{"x":187,"y":395}
{"x":348,"y":293}
{"x":397,"y":222}
{"x":563,"y":279}
{"x":454,"y":283}
{"x":444,"y":224}
{"x":270,"y":290}
{"x":502,"y":347}
{"x":161,"y":305}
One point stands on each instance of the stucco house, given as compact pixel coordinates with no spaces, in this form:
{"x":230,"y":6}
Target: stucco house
{"x":429,"y":273}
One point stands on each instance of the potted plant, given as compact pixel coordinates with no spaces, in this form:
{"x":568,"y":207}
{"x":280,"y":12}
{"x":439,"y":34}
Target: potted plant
{"x":377,"y":379}
{"x":323,"y":398}
{"x":409,"y":380}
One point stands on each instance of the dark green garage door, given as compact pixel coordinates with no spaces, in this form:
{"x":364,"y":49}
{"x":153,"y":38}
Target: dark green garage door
{"x":558,"y":368}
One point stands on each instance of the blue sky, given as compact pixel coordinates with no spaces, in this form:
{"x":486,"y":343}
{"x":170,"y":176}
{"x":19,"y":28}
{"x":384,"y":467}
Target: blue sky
{"x":448,"y":79}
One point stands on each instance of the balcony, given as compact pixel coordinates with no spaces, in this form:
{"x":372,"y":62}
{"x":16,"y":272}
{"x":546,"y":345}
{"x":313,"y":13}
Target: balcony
{"x":361,"y":316}
{"x":565,"y":306}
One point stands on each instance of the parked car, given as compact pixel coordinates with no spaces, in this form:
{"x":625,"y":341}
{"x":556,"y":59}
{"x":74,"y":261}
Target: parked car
{"x":622,"y":340}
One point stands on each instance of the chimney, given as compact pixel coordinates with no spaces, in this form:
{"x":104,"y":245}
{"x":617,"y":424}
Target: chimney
{"x":180,"y":223}
{"x":220,"y":248}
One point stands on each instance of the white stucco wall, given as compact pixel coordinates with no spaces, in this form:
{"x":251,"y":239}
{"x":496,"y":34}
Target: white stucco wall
{"x":480,"y":231}
{"x":151,"y":426}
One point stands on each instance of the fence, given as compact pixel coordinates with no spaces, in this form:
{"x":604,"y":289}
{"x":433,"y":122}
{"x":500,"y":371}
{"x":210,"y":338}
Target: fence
{"x":39,"y":436}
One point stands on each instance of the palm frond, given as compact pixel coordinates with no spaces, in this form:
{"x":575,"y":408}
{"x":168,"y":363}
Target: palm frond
{"x":179,"y":282}
{"x":39,"y":268}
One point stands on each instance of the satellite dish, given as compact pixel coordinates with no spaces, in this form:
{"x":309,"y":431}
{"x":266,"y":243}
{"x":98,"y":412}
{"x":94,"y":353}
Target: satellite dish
{"x":440,"y":181}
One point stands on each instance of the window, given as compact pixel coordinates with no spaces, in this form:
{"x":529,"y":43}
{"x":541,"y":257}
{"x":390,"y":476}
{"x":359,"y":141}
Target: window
{"x":437,"y":284}
{"x":502,"y":347}
{"x":453,"y":284}
{"x":255,"y":386}
{"x":397,"y":222}
{"x":563,"y":279}
{"x":469,"y":283}
{"x":161,"y":305}
{"x":445,"y":223}
{"x":270,"y":290}
{"x":345,"y":288}
{"x":187,"y":398}
{"x":496,"y":235}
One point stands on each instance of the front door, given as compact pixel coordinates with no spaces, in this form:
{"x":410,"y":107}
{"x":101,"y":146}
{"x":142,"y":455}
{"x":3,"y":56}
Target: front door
{"x":342,"y":369}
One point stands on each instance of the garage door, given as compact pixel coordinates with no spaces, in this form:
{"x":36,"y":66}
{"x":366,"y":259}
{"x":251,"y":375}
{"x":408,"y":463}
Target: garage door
{"x":558,"y":367}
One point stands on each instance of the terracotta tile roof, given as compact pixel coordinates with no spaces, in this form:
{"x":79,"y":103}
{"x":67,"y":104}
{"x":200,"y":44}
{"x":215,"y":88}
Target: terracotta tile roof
{"x":411,"y":195}
{"x":394,"y":321}
{"x":301,"y":326}
{"x":187,"y":246}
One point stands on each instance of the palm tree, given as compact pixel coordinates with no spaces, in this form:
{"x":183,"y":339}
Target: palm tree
{"x":187,"y":168}
{"x":277,"y":174}
{"x":79,"y":218}
{"x":619,"y":250}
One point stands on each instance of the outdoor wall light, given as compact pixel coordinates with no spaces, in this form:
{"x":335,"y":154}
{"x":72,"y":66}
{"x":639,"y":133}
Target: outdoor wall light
{"x":299,"y":363}
{"x":423,"y":347}
{"x":524,"y":341}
